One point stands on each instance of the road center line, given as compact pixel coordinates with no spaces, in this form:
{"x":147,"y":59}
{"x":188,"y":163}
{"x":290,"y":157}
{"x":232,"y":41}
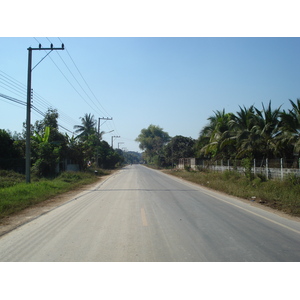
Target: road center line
{"x":143,"y":216}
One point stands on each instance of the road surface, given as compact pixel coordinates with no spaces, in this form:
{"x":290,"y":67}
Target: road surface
{"x":139,"y":214}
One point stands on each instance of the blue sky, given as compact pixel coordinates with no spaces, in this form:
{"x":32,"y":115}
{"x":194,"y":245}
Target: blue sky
{"x":175,"y":83}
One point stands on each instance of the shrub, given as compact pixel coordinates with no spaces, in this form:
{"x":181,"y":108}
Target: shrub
{"x":187,"y":168}
{"x":10,"y":178}
{"x":227,"y":175}
{"x":294,"y":179}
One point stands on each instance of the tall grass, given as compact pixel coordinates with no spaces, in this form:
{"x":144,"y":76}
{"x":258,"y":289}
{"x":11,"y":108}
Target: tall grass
{"x":281,"y":195}
{"x":16,"y":195}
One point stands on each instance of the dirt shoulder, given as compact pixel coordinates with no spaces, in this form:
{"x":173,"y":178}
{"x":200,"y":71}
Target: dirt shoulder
{"x":11,"y":222}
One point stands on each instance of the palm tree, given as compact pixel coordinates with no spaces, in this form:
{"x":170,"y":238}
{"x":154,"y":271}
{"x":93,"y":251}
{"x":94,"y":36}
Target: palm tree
{"x":268,"y":128}
{"x":215,"y":133}
{"x":289,"y":137}
{"x":243,"y":132}
{"x":87,"y":128}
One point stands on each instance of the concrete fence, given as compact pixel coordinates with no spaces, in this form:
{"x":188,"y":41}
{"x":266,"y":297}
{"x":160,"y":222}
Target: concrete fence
{"x":271,"y":169}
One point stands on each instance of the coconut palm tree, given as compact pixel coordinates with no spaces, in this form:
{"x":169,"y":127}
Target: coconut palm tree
{"x":289,"y":137}
{"x":215,"y":133}
{"x":268,"y":129}
{"x":87,"y":128}
{"x":244,"y":132}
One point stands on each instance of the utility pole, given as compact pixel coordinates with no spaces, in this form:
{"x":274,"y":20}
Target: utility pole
{"x":112,"y":140}
{"x":27,"y":165}
{"x":107,"y":119}
{"x":99,"y":120}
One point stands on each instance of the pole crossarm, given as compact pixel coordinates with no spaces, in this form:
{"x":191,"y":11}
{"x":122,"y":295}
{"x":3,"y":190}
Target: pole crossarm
{"x":99,"y":120}
{"x":112,"y":140}
{"x":51,"y":48}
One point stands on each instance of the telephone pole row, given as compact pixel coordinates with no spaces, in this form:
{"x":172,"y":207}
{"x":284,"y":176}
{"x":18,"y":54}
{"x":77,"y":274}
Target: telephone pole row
{"x":112,"y":140}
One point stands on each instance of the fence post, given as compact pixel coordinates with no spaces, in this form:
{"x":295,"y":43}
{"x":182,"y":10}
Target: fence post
{"x":228,"y":165}
{"x":281,"y":168}
{"x":254,"y":166}
{"x":267,"y":167}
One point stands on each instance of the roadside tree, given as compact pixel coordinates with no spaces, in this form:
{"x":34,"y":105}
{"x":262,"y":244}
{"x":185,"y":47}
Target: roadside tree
{"x":152,"y":141}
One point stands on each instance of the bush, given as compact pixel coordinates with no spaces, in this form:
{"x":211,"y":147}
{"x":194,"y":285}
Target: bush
{"x":10,"y":178}
{"x":256,"y":181}
{"x":69,"y":176}
{"x":294,"y":179}
{"x":262,"y":177}
{"x":187,"y":168}
{"x":227,"y":175}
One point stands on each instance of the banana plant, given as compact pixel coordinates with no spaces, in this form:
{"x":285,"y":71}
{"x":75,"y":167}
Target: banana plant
{"x":42,"y":138}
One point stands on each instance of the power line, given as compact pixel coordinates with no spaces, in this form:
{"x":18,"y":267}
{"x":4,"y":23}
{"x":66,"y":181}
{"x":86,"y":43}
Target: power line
{"x":9,"y":85}
{"x":21,"y":103}
{"x":15,"y":87}
{"x":84,"y":80}
{"x":97,"y":110}
{"x":76,"y":78}
{"x":13,"y":99}
{"x":14,"y":81}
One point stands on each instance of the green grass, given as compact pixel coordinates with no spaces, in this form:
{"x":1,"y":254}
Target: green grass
{"x":281,"y":195}
{"x":10,"y":178}
{"x":16,"y":195}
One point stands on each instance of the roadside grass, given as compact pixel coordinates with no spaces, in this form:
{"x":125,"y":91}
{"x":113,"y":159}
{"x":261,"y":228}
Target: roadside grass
{"x":16,"y":195}
{"x":280,"y":195}
{"x":10,"y":178}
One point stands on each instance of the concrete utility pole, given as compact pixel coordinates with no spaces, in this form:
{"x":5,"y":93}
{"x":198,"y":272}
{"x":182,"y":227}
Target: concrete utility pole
{"x":27,"y":165}
{"x":99,"y":120}
{"x":107,"y":119}
{"x":112,"y":140}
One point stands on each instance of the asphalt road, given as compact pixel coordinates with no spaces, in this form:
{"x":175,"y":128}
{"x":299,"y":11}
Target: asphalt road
{"x":139,"y":214}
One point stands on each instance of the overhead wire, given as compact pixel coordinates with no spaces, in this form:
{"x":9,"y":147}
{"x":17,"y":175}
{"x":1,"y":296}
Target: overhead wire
{"x":19,"y":89}
{"x":98,"y":109}
{"x":85,"y":80}
{"x":21,"y":103}
{"x":114,"y":125}
{"x":93,"y":108}
{"x":10,"y":84}
{"x":15,"y":87}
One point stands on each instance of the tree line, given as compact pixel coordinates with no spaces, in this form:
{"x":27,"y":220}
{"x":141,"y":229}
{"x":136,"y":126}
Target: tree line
{"x":51,"y":149}
{"x":250,"y":133}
